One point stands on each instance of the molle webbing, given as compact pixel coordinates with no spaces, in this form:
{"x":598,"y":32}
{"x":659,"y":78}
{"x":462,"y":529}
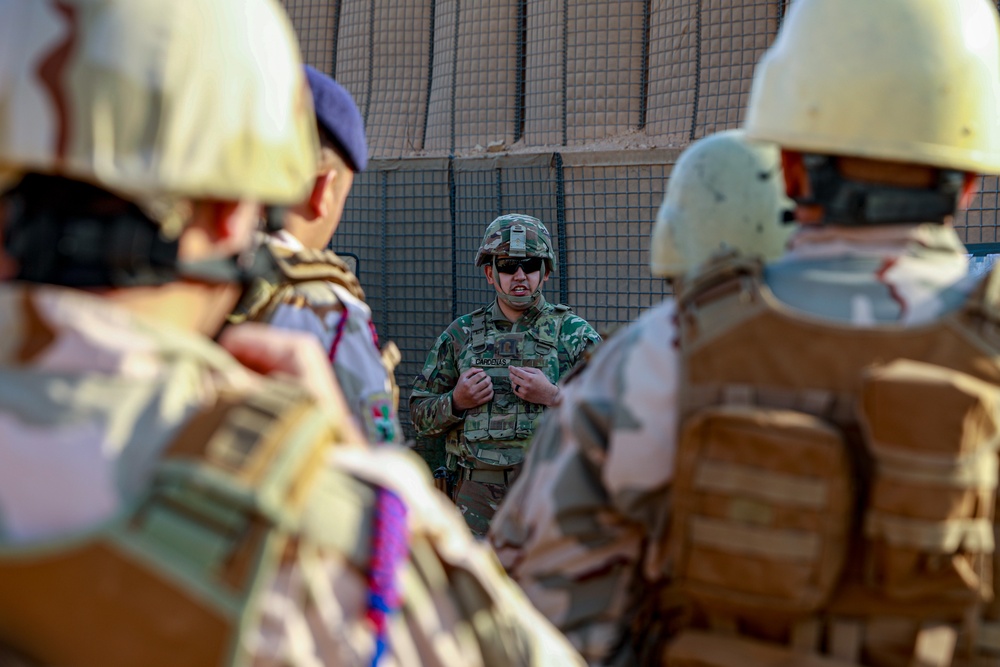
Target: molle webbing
{"x":308,"y":265}
{"x":478,"y":330}
{"x":175,"y":581}
{"x":912,"y":414}
{"x":507,"y":421}
{"x":262,"y":297}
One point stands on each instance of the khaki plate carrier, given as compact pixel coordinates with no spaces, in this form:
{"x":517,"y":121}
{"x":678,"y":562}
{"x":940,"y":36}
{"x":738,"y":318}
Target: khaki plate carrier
{"x":835,"y":487}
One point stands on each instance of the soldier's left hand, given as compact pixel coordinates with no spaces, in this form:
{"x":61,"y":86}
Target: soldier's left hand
{"x":531,"y":384}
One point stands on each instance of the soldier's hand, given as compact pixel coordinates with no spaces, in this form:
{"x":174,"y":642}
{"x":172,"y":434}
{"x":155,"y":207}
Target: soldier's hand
{"x":473,"y":389}
{"x":295,"y":355}
{"x":531,"y":384}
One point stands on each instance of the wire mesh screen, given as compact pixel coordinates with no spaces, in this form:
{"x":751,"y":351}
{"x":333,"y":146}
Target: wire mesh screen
{"x":570,"y":110}
{"x":415,"y":226}
{"x":979,"y":223}
{"x":733,"y":36}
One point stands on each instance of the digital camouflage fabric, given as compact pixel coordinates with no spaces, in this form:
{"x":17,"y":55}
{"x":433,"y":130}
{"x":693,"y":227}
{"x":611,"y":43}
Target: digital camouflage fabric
{"x":91,"y":398}
{"x":493,"y":436}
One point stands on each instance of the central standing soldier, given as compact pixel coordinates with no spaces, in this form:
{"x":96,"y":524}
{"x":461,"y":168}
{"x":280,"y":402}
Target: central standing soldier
{"x":492,"y":373}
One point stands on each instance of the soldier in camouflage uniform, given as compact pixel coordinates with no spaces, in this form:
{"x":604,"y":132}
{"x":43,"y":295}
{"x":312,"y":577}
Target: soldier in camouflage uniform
{"x":315,"y":291}
{"x":166,"y":499}
{"x":795,"y":463}
{"x":492,"y":372}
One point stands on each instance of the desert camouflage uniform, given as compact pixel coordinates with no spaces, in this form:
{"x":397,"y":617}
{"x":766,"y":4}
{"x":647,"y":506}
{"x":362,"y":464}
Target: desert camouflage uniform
{"x":337,"y":315}
{"x":452,"y":354}
{"x":89,"y":398}
{"x":575,"y":530}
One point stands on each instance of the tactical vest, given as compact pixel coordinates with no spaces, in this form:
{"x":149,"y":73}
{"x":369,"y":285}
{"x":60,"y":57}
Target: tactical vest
{"x":263,"y":296}
{"x":835,"y":488}
{"x":175,"y":579}
{"x":507,"y":422}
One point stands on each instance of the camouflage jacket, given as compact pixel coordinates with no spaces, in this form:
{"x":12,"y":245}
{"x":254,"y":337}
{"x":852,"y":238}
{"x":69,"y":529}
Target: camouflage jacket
{"x":453,"y":353}
{"x":574,"y":529}
{"x":336,"y":314}
{"x":90,"y":395}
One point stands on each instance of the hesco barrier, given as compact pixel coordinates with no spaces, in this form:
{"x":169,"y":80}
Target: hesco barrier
{"x":573,"y":111}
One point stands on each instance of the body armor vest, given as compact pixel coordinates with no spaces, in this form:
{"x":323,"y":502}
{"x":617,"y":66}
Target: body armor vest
{"x":507,"y":422}
{"x":262,"y":297}
{"x":175,"y":579}
{"x":835,"y":487}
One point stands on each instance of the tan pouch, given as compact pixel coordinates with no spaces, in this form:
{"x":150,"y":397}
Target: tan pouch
{"x":763,"y":507}
{"x":702,"y":649}
{"x":932,"y":433}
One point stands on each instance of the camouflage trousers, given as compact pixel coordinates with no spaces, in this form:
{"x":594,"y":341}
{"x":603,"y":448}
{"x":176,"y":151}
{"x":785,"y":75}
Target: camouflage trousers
{"x":478,"y":494}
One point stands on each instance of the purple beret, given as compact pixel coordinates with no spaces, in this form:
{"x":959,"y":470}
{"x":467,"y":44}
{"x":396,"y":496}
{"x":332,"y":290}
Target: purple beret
{"x":339,"y":117}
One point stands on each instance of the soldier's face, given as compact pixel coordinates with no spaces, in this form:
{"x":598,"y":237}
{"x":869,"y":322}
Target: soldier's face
{"x":520,"y":282}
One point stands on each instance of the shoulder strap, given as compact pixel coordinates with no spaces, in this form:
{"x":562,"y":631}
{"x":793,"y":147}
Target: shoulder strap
{"x":719,"y":275}
{"x":262,"y":297}
{"x":478,"y":330}
{"x":984,"y":301}
{"x":308,"y":265}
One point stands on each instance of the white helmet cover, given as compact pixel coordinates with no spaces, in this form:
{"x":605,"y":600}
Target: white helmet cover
{"x":725,"y":192}
{"x":914,"y":81}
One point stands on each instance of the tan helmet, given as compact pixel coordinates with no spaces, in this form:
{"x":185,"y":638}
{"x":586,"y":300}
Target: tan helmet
{"x":913,"y":81}
{"x":150,"y":99}
{"x":725,"y":192}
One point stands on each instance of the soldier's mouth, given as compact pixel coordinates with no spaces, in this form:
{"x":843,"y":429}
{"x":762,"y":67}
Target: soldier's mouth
{"x":519,"y":290}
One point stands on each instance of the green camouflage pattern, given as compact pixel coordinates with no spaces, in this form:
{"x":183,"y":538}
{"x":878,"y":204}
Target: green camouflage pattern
{"x":496,"y":434}
{"x":496,"y":240}
{"x":479,"y":501}
{"x":507,"y":418}
{"x":593,"y":492}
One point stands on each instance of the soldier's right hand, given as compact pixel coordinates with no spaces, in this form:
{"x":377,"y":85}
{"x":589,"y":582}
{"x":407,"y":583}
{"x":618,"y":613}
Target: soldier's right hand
{"x":297,"y":356}
{"x":474,"y":388}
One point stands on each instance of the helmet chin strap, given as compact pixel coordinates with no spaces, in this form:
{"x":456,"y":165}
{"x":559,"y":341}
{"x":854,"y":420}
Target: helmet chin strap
{"x":515,"y":302}
{"x":518,"y":302}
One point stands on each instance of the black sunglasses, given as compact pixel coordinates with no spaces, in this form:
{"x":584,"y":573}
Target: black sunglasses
{"x":510,"y":265}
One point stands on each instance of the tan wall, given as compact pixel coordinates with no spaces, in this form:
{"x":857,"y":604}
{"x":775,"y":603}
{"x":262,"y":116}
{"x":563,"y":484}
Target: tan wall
{"x":482,"y":68}
{"x":442,"y":76}
{"x":383,"y":59}
{"x":315,"y":24}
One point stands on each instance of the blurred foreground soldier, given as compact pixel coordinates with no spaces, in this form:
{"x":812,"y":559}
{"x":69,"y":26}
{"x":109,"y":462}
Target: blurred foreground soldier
{"x":492,"y":372}
{"x":797,"y":465}
{"x":315,"y":291}
{"x":566,"y":494}
{"x":725,"y":194}
{"x":161,"y":502}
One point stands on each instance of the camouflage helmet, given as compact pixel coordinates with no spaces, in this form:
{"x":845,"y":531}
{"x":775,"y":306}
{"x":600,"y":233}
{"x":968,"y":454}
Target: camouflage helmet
{"x":516,"y":235}
{"x":157,"y":101}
